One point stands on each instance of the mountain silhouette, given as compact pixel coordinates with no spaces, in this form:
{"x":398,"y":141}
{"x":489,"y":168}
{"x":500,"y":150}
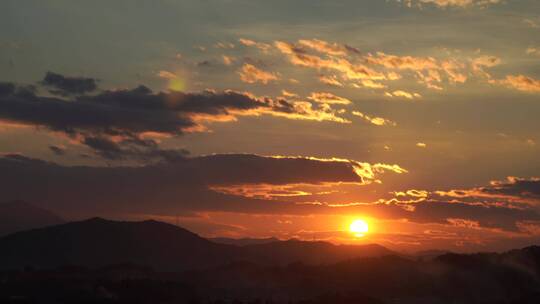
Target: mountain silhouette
{"x":298,"y":271}
{"x":313,"y":253}
{"x":243,"y":241}
{"x":98,"y":242}
{"x":19,"y":216}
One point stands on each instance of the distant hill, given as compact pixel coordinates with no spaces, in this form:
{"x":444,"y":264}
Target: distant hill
{"x":19,"y":215}
{"x":243,"y":241}
{"x":511,"y":277}
{"x":430,"y":254}
{"x":98,"y":242}
{"x":293,"y":271}
{"x":312,"y":253}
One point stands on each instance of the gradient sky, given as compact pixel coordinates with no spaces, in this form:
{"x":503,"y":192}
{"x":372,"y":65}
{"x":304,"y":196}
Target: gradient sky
{"x":248,"y":118}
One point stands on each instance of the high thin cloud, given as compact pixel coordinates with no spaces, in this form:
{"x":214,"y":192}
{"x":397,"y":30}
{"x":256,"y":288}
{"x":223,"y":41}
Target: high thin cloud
{"x":347,"y":66}
{"x":349,"y":71}
{"x":113,"y":121}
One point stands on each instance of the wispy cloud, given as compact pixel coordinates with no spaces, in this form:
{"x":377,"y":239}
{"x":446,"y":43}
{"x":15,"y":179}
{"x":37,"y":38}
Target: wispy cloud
{"x":521,"y":83}
{"x":378,"y":121}
{"x":251,"y":74}
{"x":328,"y":98}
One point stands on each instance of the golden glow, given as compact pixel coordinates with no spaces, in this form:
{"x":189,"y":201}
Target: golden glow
{"x":359,"y":227}
{"x":177,"y":84}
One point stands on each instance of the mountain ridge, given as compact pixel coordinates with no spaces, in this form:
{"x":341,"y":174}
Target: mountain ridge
{"x":99,"y":242}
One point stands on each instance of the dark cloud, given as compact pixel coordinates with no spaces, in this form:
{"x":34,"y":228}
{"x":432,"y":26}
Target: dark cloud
{"x":512,"y":191}
{"x":129,"y":113}
{"x":185,"y":187}
{"x":132,"y":148}
{"x":6,"y":88}
{"x":64,"y":85}
{"x":465,"y":214}
{"x":204,"y":63}
{"x":515,"y":186}
{"x":173,"y":188}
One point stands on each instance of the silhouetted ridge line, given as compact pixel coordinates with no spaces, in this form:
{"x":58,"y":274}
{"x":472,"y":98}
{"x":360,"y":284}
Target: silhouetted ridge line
{"x":98,"y":242}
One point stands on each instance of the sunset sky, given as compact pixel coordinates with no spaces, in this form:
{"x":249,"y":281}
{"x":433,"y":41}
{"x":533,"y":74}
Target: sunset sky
{"x":251,"y":118}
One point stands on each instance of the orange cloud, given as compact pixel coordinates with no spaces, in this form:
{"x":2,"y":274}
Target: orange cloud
{"x":533,"y":51}
{"x":261,"y":46}
{"x":251,"y":74}
{"x":367,"y":73}
{"x":303,"y":110}
{"x":479,"y":63}
{"x":288,"y":94}
{"x":367,"y":173}
{"x":8,"y":125}
{"x":324,"y":47}
{"x":368,"y":83}
{"x":166,"y":75}
{"x":330,"y":80}
{"x":348,"y":70}
{"x":404,"y":94}
{"x":521,"y":83}
{"x":513,"y":189}
{"x":428,"y":69}
{"x":227,"y":60}
{"x":378,"y":121}
{"x":364,"y":170}
{"x":403,"y":62}
{"x":328,"y":98}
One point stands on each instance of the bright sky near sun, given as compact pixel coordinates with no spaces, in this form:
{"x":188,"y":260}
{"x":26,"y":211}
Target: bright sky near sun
{"x":279,"y":118}
{"x":359,"y":227}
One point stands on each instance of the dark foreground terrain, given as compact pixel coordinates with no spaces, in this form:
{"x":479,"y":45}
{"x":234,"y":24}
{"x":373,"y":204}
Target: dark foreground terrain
{"x":100,"y":261}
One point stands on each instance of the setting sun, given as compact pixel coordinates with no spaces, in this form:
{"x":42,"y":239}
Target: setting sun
{"x":359,"y":227}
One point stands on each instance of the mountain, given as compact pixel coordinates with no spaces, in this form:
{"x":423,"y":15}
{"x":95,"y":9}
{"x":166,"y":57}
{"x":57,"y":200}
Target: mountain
{"x":430,"y":254}
{"x":290,"y":271}
{"x":19,"y":215}
{"x":312,"y":253}
{"x":511,"y":277}
{"x":98,"y":242}
{"x":243,"y":241}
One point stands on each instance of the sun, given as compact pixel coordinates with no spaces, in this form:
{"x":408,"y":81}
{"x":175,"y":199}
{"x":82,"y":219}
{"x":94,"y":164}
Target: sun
{"x":359,"y":227}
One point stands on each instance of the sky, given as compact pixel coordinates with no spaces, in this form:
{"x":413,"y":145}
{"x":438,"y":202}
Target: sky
{"x":288,"y":119}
